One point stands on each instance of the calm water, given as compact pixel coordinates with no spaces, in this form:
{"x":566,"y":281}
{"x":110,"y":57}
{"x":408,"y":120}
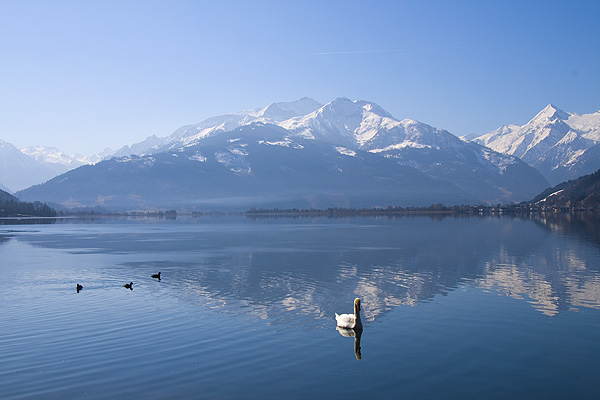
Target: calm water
{"x":465,"y":308}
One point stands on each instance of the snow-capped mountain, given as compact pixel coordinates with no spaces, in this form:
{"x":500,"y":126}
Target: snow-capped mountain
{"x":190,"y":134}
{"x":356,"y":124}
{"x":19,"y":170}
{"x":342,"y":121}
{"x":366,"y":126}
{"x":23,"y":167}
{"x":342,"y":154}
{"x":257,"y":165}
{"x":275,"y":113}
{"x":147,"y":146}
{"x":559,"y":144}
{"x":57,"y":160}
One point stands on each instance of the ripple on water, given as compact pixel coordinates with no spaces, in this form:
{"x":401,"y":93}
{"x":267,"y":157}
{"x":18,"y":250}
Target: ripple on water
{"x":250,"y":310}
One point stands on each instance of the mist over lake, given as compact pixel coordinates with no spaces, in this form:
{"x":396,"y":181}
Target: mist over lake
{"x":452,"y":307}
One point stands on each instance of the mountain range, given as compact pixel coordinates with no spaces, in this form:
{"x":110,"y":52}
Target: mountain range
{"x":21,"y":168}
{"x":298,"y":154}
{"x":560,"y":145}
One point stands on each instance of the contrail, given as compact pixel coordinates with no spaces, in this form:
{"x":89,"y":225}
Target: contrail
{"x":334,"y":53}
{"x":330,"y":53}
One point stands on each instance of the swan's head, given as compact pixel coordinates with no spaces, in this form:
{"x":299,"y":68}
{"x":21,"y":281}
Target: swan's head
{"x":357,"y":304}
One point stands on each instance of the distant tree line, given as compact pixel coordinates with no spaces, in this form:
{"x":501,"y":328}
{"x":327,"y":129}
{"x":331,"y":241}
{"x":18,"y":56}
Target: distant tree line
{"x":101,"y":211}
{"x":508,"y":209}
{"x":437,"y":208}
{"x":15,"y":208}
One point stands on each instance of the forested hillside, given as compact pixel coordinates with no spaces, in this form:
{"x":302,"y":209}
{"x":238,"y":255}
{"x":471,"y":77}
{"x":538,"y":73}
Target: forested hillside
{"x":583,"y":192}
{"x":10,"y":206}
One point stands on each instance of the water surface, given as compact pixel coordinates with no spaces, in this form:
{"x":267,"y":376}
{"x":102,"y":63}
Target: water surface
{"x":452,"y":308}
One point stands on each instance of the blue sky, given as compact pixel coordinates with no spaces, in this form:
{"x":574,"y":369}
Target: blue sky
{"x":85,"y":75}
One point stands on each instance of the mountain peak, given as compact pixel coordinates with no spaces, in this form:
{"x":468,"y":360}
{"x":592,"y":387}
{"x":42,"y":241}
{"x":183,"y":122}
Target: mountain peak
{"x":552,"y":112}
{"x":285,"y":110}
{"x":342,"y":99}
{"x":345,"y":106}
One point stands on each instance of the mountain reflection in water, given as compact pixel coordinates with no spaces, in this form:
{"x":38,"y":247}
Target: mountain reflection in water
{"x":289,"y":270}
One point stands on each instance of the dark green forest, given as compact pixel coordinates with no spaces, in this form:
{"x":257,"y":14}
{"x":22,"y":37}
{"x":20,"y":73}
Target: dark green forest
{"x":10,"y":206}
{"x":582,"y":192}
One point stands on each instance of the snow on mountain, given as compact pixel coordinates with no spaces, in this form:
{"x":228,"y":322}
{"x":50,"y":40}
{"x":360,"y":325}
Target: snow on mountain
{"x":345,"y":153}
{"x":588,"y":125}
{"x":282,"y":111}
{"x":342,"y":121}
{"x":354,"y":124}
{"x":19,"y":170}
{"x":147,"y":146}
{"x":273,"y":113}
{"x":55,"y":159}
{"x":94,"y":158}
{"x":362,"y":125}
{"x":257,"y":165}
{"x":189,"y":135}
{"x":559,"y":144}
{"x":342,"y":128}
{"x":23,"y":167}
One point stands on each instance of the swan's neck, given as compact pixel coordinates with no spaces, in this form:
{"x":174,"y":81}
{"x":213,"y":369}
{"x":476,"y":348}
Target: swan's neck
{"x":357,"y":321}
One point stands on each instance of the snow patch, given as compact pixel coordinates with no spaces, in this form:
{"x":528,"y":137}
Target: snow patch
{"x":345,"y":151}
{"x":238,"y":151}
{"x":284,"y":143}
{"x":402,"y":145}
{"x":571,"y":160}
{"x":497,"y":160}
{"x":197,"y":157}
{"x":550,"y":195}
{"x":236,"y":163}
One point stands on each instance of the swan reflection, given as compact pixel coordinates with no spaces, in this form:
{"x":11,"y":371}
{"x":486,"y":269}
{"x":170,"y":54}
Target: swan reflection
{"x":356,"y":334}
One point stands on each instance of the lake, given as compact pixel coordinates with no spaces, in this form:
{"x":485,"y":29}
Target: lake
{"x":452,"y":307}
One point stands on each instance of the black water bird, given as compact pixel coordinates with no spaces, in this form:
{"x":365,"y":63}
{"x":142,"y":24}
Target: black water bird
{"x":157,"y":276}
{"x":79,"y":287}
{"x":128,"y":285}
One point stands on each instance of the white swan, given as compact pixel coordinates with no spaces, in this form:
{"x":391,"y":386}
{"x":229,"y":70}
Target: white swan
{"x":348,"y":320}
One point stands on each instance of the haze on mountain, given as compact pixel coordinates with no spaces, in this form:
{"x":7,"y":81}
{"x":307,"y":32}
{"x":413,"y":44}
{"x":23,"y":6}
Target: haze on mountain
{"x":19,"y":171}
{"x":298,"y":154}
{"x":5,"y":196}
{"x":24,"y":167}
{"x":4,"y":188}
{"x":574,"y":155}
{"x":190,"y":134}
{"x":560,"y":145}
